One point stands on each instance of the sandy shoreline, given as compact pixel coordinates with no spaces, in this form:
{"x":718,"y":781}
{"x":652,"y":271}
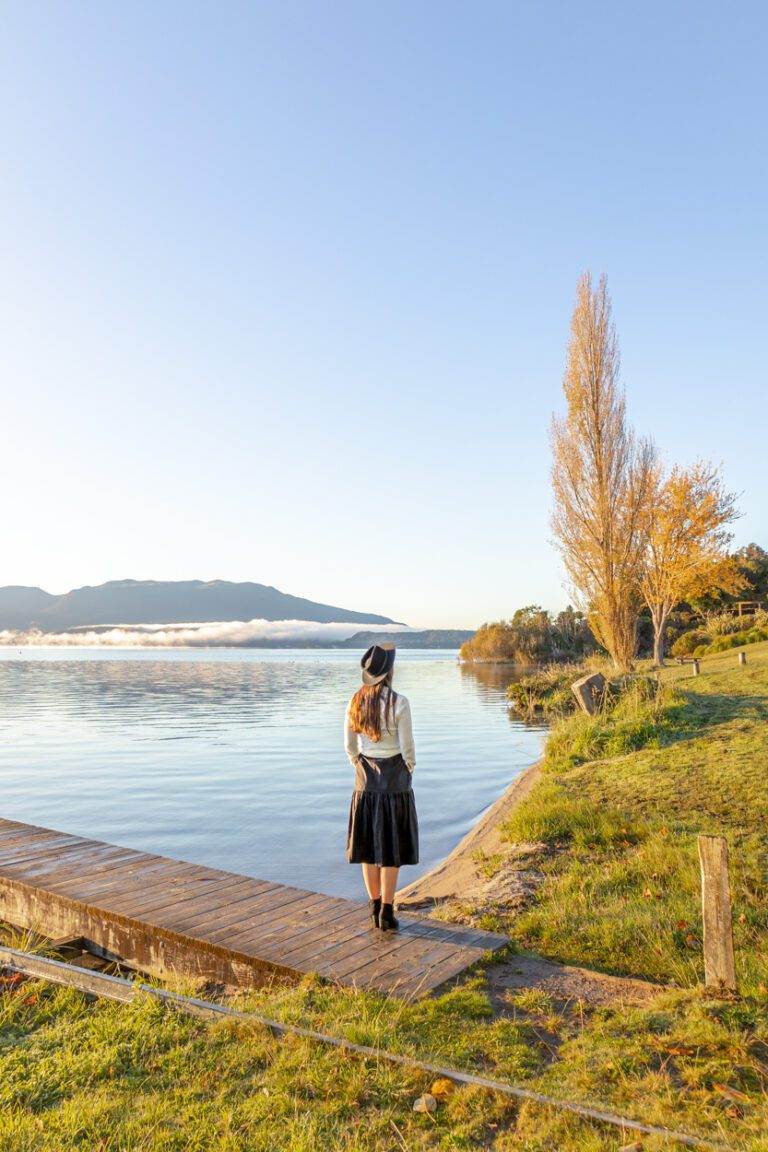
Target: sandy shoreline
{"x":458,"y":873}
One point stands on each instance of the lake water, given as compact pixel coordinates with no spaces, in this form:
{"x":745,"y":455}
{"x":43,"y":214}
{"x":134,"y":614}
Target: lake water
{"x":235,"y":758}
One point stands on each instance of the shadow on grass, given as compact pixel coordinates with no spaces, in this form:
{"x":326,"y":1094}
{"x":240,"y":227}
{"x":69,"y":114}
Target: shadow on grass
{"x":702,"y":712}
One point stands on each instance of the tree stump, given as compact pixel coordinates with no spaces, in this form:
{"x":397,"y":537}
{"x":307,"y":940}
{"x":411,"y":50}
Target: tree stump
{"x":589,"y":692}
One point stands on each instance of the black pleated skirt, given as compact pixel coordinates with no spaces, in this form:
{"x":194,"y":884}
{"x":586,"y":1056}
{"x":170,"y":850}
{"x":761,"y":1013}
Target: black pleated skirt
{"x":383,"y":828}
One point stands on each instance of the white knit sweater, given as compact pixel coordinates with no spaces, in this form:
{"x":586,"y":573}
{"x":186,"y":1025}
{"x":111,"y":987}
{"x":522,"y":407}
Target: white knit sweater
{"x":393,"y":740}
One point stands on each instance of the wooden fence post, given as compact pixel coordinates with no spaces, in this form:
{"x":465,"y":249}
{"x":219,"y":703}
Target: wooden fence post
{"x":742,"y":657}
{"x":719,"y":967}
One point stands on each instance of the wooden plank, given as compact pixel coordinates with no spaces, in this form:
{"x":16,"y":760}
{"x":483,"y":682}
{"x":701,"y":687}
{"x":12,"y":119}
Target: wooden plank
{"x":419,"y":983}
{"x":49,"y":856}
{"x":225,"y":915}
{"x":397,"y":957}
{"x":96,"y":861}
{"x":138,"y":901}
{"x":433,"y":974}
{"x":41,"y":837}
{"x":719,"y":964}
{"x":366,"y":947}
{"x":352,"y":937}
{"x":277,"y":925}
{"x":209,"y":901}
{"x":12,"y":829}
{"x":89,"y":888}
{"x":404,"y":955}
{"x":30,"y":852}
{"x":447,"y":933}
{"x":12,"y":838}
{"x":320,"y":929}
{"x":332,"y":924}
{"x":239,"y":915}
{"x":261,"y":924}
{"x":120,"y":878}
{"x":267,"y":908}
{"x":188,"y":902}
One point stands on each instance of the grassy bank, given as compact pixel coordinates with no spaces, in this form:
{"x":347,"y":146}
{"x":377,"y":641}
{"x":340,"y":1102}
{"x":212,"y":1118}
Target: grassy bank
{"x":623,"y":799}
{"x":617,"y":812}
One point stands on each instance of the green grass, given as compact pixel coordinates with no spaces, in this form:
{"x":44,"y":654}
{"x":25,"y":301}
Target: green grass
{"x":619,"y":807}
{"x":622,"y":890}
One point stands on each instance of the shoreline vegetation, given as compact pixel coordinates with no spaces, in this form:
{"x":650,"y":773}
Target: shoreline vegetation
{"x":589,"y":865}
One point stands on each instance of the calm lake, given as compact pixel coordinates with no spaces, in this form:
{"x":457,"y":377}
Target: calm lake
{"x":235,"y":758}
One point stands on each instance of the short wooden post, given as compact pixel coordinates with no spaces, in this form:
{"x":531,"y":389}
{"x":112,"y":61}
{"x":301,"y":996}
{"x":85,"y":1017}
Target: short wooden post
{"x":742,"y":658}
{"x":696,"y":668}
{"x":719,"y":967}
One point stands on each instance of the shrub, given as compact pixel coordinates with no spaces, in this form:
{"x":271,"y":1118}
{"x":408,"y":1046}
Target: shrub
{"x":686,"y":644}
{"x":728,"y":624}
{"x":735,"y":640}
{"x":722,"y":624}
{"x":546,"y":692}
{"x":532,"y":636}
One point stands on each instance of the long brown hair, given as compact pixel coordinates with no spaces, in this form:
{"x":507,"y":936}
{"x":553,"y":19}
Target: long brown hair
{"x":365,"y":708}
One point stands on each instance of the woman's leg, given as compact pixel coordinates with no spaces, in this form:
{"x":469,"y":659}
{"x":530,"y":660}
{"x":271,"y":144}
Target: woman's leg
{"x":388,"y":884}
{"x":372,"y":878}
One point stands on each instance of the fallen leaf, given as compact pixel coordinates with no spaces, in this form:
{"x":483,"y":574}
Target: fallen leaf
{"x":442,"y":1087}
{"x":636,"y":1147}
{"x":425,"y":1103}
{"x":731,"y":1093}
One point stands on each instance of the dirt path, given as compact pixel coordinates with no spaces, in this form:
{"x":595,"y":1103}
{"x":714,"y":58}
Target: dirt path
{"x":564,"y":983}
{"x":459,"y":876}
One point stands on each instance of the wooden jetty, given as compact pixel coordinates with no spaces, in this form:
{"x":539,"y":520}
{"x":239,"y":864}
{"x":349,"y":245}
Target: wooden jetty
{"x":166,"y":916}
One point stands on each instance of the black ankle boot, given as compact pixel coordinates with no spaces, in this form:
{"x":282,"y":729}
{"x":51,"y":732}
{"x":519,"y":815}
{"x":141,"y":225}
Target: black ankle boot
{"x":374,"y":907}
{"x":387,"y":920}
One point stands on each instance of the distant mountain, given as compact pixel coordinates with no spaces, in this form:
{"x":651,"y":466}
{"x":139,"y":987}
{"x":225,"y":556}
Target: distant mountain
{"x":164,"y":602}
{"x":19,"y":605}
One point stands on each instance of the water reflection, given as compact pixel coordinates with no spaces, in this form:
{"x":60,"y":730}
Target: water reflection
{"x":236,"y":760}
{"x":491,"y":682}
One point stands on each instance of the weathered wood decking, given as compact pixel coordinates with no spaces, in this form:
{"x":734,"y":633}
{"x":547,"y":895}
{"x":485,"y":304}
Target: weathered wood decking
{"x":167,"y":916}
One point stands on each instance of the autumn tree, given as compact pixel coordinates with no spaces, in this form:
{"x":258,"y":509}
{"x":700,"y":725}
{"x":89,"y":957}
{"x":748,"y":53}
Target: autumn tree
{"x":602,"y":479}
{"x":687,"y":542}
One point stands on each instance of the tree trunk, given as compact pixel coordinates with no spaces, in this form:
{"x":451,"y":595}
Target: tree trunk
{"x":658,"y":647}
{"x":659,"y":618}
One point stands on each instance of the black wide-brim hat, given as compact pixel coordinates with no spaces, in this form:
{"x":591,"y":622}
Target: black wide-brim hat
{"x":377,"y":663}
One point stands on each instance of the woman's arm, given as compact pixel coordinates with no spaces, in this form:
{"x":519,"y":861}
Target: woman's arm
{"x":351,"y":746}
{"x":405,"y":734}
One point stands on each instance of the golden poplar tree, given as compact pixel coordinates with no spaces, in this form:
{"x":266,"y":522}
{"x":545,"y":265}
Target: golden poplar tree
{"x":602,"y":480}
{"x":687,"y":543}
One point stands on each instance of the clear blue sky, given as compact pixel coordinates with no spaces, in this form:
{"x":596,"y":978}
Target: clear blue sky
{"x":285,"y":288}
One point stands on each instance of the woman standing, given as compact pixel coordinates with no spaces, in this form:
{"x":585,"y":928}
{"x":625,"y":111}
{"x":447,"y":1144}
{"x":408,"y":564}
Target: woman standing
{"x":383,"y":831}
